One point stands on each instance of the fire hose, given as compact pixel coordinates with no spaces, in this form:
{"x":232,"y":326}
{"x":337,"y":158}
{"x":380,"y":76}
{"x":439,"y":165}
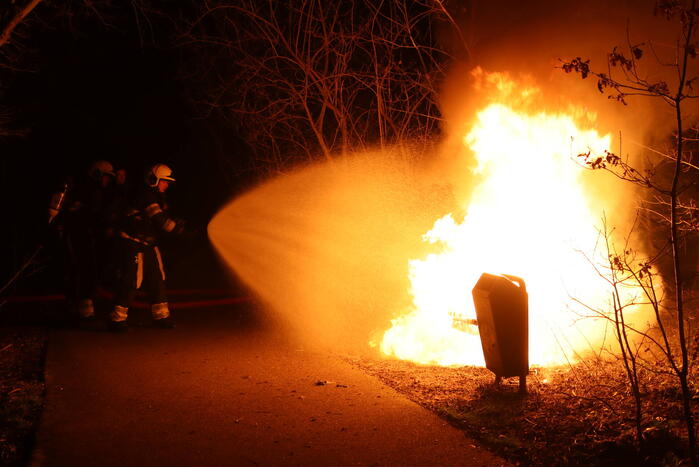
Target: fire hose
{"x":21,"y":270}
{"x":209,"y":302}
{"x":57,"y":200}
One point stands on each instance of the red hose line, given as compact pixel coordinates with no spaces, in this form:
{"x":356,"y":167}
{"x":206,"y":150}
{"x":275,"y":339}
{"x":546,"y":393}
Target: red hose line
{"x":137,"y":303}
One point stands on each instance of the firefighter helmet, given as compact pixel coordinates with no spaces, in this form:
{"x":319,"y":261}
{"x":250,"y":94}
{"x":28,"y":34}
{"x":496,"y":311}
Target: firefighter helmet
{"x":100,"y":168}
{"x":159,"y":172}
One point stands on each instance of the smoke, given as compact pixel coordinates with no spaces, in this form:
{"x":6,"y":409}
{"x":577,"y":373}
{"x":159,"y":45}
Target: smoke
{"x":528,"y":40}
{"x":531,"y":38}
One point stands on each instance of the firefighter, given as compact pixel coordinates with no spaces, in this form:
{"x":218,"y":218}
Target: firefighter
{"x":141,"y":262}
{"x":78,"y":212}
{"x":116,"y":203}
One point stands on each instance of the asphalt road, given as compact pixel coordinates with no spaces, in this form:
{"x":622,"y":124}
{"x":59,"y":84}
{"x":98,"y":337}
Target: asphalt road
{"x":218,"y":391}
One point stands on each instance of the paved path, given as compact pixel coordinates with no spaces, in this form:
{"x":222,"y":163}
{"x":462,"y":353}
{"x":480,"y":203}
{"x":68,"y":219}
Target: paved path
{"x":215,"y":392}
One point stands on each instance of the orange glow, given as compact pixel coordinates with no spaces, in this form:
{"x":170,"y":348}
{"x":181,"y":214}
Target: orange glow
{"x":347,"y":252}
{"x":530,"y":215}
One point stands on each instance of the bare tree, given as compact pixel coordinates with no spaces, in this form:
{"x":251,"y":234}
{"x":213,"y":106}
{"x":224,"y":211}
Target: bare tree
{"x":10,"y":19}
{"x":303,"y":79}
{"x":632,"y":284}
{"x":670,"y":201}
{"x":19,"y":20}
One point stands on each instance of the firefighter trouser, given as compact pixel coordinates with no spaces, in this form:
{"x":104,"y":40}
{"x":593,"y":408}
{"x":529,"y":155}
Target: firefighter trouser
{"x":140,"y":266}
{"x":80,"y":269}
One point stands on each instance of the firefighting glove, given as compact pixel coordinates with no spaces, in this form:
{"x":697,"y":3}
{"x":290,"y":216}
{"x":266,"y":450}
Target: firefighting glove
{"x":52,"y":230}
{"x":179,"y":227}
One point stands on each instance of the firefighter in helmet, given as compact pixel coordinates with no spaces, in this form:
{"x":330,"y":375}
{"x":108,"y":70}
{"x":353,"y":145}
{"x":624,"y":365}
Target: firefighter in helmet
{"x":78,"y":213}
{"x":141,"y":262}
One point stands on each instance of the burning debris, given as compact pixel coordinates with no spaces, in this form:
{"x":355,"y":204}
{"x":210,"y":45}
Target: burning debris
{"x":322,"y":382}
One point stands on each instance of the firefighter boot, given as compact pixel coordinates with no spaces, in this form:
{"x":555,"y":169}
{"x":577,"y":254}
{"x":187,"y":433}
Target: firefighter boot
{"x":86,"y":309}
{"x":117,"y":319}
{"x":161,"y":316}
{"x":85,"y":314}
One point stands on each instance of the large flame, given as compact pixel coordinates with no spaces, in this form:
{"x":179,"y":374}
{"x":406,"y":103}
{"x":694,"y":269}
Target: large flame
{"x":530,"y":216}
{"x":328,"y":246}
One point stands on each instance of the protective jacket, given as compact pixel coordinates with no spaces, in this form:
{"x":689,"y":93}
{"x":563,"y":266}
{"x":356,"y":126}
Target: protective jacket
{"x":148,"y":218}
{"x":80,"y":217}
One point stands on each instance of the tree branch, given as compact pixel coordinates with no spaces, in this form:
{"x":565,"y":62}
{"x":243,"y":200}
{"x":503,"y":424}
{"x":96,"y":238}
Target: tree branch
{"x":18,"y":18}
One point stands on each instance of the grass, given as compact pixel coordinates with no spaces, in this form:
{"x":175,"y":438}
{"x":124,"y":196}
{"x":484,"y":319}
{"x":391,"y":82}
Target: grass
{"x":578,"y":415}
{"x":22,"y":389}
